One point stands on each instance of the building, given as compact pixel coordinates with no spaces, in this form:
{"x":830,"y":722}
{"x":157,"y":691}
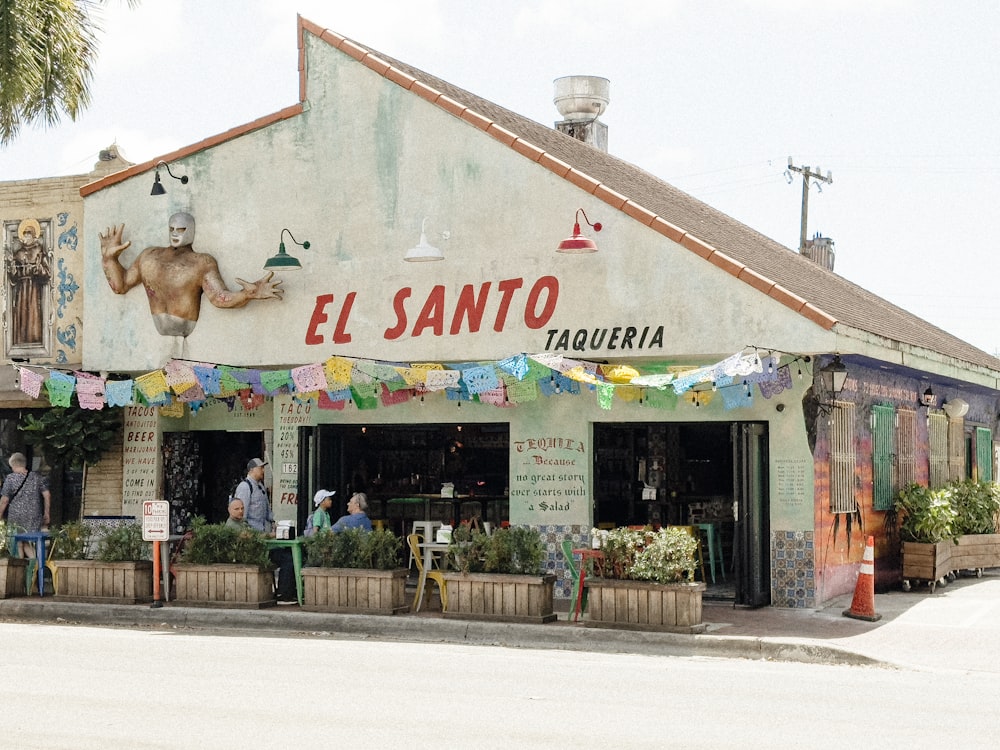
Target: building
{"x":440,"y":332}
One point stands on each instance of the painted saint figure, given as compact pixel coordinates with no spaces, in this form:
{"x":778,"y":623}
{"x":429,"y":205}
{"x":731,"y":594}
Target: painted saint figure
{"x":28,"y":275}
{"x":176,"y":276}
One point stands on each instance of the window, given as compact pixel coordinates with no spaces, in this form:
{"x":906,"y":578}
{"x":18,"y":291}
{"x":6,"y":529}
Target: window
{"x":906,"y":442}
{"x":937,"y":438}
{"x":984,"y":454}
{"x":883,"y":434}
{"x":842,"y":458}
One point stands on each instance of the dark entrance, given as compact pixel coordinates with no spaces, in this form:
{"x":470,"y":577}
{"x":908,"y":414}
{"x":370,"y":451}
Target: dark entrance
{"x":685,"y":474}
{"x":401,"y":468}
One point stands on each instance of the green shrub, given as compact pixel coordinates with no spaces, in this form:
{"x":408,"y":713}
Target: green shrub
{"x":6,"y":539}
{"x":663,"y":556}
{"x":123,"y":544}
{"x":217,"y":543}
{"x":72,"y":541}
{"x":516,"y":550}
{"x":925,"y":515}
{"x":354,"y":548}
{"x":976,"y":506}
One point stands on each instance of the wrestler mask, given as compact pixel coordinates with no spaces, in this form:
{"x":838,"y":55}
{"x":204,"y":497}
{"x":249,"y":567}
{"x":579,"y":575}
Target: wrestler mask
{"x":181,"y":230}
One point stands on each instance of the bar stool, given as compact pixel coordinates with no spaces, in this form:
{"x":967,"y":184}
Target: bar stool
{"x":428,"y":530}
{"x":714,"y":540}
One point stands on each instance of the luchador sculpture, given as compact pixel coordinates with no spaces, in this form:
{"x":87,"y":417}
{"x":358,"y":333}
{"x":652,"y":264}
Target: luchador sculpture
{"x":176,"y":276}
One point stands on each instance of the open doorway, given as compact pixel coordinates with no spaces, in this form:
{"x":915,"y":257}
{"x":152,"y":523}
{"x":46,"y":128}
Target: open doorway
{"x":710,"y":475}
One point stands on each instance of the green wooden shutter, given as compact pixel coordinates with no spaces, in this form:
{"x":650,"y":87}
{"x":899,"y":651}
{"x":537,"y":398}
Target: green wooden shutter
{"x":984,"y":454}
{"x":883,"y":432}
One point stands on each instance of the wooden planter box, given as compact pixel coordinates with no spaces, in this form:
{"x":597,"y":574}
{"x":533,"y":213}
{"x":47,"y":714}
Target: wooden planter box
{"x":12,"y":571}
{"x":224,"y":585}
{"x":925,"y":561}
{"x":358,"y":591}
{"x":641,"y":605}
{"x":976,"y":551}
{"x":495,"y":596}
{"x":104,"y":582}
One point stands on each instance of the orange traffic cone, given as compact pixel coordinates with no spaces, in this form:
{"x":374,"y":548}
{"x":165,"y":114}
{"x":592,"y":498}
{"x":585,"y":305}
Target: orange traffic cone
{"x":863,"y":605}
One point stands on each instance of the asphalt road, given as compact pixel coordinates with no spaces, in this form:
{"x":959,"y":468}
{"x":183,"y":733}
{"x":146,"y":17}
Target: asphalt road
{"x":85,"y":687}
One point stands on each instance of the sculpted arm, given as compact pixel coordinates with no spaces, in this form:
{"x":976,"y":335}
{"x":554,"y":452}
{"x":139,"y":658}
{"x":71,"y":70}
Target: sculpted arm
{"x":220,"y":295}
{"x":112,"y":246}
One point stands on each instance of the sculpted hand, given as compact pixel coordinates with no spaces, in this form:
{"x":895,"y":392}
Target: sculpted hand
{"x":262,"y":288}
{"x":111,"y":242}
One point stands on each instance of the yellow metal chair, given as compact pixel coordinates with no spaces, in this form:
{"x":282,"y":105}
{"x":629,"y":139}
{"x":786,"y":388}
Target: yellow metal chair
{"x":434,"y":575}
{"x":31,"y":580}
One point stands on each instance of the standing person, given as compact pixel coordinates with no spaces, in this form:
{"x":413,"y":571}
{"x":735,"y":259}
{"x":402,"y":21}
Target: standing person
{"x":253,"y":493}
{"x":322,"y":501}
{"x":357,"y":515}
{"x":258,"y":515}
{"x":27,"y":494}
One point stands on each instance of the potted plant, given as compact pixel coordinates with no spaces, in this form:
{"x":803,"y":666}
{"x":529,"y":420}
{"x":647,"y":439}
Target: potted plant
{"x":354,"y":571}
{"x":224,"y":567}
{"x":499,"y":576}
{"x":12,"y":569}
{"x":120,"y":573}
{"x":645,"y":580}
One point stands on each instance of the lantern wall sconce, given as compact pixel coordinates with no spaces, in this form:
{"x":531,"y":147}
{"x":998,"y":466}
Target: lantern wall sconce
{"x":158,"y":188}
{"x":578,"y":244}
{"x":282,"y":259}
{"x":424,"y":251}
{"x":928,"y":398}
{"x":834,"y":376}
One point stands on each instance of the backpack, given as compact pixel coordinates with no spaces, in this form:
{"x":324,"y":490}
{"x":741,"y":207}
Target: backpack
{"x":309,"y":530}
{"x":232,"y":492}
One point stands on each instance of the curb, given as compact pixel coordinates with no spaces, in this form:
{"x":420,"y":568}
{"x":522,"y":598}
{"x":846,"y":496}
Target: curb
{"x":433,"y":630}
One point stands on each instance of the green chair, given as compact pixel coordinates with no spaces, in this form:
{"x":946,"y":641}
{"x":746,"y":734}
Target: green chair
{"x":567,"y":548}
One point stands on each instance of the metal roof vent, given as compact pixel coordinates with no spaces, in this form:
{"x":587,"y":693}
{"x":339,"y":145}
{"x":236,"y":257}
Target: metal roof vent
{"x":581,"y":100}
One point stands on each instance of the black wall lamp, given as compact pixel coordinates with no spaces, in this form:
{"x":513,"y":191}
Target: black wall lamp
{"x":158,"y":188}
{"x":928,"y":398}
{"x":834,"y":376}
{"x":282,"y":259}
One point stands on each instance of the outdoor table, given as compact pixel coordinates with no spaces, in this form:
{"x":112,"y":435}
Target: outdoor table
{"x":39,"y":539}
{"x":585,"y":553}
{"x":430,"y":549}
{"x":295,"y":545}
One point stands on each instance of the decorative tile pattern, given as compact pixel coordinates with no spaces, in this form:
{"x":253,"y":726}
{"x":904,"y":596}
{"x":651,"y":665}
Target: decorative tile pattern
{"x":552,"y":538}
{"x":793,"y":582}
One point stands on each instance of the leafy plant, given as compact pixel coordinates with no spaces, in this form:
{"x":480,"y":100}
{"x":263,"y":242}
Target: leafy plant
{"x":976,"y":505}
{"x":217,"y":543}
{"x":6,"y":538}
{"x":663,"y":556}
{"x":72,"y":435}
{"x":354,"y":548}
{"x":72,"y":541}
{"x":926,"y":515}
{"x":123,"y":544}
{"x":517,"y":550}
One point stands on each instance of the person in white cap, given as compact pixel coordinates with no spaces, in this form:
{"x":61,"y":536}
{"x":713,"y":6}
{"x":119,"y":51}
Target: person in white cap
{"x":322,"y":501}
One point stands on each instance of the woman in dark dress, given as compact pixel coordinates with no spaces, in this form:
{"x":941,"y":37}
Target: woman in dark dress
{"x":27,"y":494}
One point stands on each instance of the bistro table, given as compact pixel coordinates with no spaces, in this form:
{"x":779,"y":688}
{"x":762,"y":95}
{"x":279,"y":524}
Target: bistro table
{"x":39,"y":539}
{"x":295,"y":545}
{"x":432,"y":550}
{"x":585,"y":553}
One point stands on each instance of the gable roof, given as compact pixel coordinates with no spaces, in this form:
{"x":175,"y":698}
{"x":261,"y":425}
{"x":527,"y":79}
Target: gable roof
{"x":820,"y":295}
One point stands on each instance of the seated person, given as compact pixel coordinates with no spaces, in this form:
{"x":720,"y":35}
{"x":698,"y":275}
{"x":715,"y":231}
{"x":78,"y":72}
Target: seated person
{"x":357,"y":517}
{"x":236,"y":513}
{"x":322,"y":501}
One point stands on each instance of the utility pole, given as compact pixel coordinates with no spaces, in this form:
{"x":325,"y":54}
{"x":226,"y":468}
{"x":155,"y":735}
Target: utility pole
{"x":807,"y":174}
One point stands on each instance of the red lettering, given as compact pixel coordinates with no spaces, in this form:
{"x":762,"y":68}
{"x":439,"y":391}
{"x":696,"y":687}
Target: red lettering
{"x":318,"y":316}
{"x":469,"y":307}
{"x":288,"y":498}
{"x":432,"y":314}
{"x":550,"y":285}
{"x":400,"y":310}
{"x":507,"y":288}
{"x":340,"y":335}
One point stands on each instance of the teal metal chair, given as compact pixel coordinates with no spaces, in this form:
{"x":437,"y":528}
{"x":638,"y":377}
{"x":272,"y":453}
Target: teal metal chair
{"x":574,"y":571}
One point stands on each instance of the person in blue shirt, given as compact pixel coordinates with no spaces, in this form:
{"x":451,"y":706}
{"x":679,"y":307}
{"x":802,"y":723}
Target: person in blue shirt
{"x":357,"y":515}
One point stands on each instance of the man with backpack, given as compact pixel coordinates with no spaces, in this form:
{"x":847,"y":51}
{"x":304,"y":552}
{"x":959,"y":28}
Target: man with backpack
{"x":320,"y":518}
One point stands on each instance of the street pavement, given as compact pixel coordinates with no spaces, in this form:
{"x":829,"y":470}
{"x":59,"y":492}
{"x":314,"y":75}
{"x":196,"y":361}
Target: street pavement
{"x":955,"y":628}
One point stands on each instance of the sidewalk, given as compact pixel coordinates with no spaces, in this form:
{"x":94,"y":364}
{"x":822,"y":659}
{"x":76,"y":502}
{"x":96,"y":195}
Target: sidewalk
{"x":956,"y":628}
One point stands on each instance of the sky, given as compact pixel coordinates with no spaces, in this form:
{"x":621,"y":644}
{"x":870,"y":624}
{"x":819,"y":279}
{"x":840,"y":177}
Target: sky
{"x":897,"y":99}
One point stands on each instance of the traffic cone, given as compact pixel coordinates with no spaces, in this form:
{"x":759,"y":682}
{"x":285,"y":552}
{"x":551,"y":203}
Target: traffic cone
{"x":863,"y":605}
